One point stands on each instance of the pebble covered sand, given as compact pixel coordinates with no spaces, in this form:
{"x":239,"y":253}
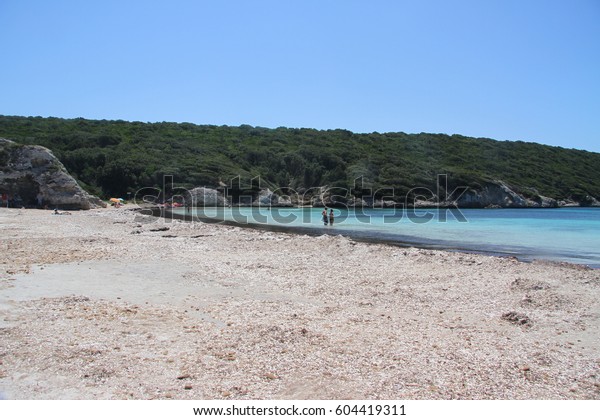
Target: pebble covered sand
{"x":110,"y":304}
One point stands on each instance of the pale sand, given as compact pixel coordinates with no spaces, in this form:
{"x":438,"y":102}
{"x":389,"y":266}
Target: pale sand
{"x":96,"y":305}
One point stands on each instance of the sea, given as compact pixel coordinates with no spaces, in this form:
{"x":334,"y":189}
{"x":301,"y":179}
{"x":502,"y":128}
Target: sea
{"x":569,"y":234}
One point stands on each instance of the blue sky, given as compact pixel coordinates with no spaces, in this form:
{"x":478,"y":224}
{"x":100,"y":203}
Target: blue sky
{"x":508,"y":70}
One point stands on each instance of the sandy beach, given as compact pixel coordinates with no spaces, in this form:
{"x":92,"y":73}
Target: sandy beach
{"x":110,"y":304}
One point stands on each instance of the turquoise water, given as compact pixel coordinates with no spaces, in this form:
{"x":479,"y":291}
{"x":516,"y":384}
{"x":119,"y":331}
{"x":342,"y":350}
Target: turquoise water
{"x":566,"y":234}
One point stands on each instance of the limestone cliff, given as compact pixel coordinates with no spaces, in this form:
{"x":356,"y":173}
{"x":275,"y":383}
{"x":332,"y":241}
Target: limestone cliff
{"x":32,"y":174}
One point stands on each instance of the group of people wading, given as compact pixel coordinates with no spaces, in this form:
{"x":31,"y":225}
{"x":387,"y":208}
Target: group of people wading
{"x":327,"y":219}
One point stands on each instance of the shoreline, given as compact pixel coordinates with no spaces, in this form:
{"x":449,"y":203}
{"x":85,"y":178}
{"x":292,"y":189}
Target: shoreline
{"x":366,"y":237}
{"x":112,"y":304}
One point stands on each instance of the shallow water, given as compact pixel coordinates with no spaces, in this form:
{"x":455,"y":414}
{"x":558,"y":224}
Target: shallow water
{"x":565,"y":234}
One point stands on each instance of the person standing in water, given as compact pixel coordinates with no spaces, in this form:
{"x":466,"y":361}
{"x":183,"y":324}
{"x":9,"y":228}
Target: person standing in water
{"x":331,"y":217}
{"x":324,"y":214}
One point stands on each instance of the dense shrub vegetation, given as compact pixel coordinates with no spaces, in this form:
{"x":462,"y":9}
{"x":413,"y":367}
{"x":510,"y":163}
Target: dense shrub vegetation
{"x":110,"y":158}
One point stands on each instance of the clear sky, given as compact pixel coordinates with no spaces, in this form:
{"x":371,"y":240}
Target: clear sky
{"x":508,"y":70}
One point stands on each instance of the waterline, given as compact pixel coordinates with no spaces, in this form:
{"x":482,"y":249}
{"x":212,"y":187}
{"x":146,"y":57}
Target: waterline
{"x":566,"y":234}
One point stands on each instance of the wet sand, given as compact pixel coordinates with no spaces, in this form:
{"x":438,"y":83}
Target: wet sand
{"x":110,"y":304}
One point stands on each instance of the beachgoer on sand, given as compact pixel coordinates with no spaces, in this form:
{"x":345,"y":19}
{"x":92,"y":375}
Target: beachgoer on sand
{"x":324,"y":214}
{"x":331,"y":217}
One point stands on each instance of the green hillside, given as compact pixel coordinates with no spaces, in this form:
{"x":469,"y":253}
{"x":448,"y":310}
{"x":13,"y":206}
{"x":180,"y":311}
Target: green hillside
{"x":110,"y":158}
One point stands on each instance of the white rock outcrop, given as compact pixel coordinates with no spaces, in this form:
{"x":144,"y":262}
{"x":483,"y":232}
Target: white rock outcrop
{"x":30,"y":175}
